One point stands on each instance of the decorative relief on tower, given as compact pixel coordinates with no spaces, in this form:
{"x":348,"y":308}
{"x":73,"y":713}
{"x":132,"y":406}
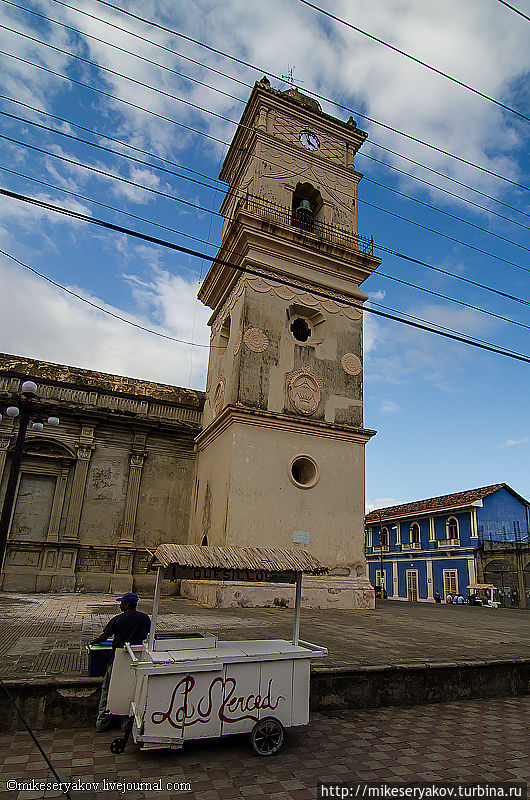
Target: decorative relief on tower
{"x":351,"y":364}
{"x":256,"y":340}
{"x":219,"y":397}
{"x":237,"y":343}
{"x":298,"y":292}
{"x":305,"y":390}
{"x":302,"y":296}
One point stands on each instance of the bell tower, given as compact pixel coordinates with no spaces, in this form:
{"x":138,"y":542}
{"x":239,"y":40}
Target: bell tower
{"x":280,"y":458}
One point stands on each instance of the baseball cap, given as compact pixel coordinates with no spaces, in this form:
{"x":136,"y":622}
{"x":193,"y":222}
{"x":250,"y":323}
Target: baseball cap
{"x":128,"y":597}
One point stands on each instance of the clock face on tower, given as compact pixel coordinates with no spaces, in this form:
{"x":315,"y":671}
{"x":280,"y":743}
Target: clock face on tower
{"x":309,"y":140}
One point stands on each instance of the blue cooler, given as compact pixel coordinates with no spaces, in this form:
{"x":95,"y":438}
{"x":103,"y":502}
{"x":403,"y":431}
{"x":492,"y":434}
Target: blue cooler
{"x":99,"y":657}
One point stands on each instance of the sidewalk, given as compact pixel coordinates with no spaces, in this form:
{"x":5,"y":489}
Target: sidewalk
{"x":477,"y":741}
{"x":45,"y":635}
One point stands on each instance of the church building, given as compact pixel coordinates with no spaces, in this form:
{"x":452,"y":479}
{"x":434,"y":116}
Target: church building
{"x":273,"y":452}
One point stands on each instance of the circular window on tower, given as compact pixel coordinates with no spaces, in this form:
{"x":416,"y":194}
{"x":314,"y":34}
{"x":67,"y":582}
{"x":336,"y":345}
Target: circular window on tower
{"x":303,"y":471}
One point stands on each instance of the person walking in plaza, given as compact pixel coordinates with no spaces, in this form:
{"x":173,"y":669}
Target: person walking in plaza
{"x":130,"y":626}
{"x":437,"y":597}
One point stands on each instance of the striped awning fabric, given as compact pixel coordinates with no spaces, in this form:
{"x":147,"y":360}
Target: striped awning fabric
{"x":234,"y":563}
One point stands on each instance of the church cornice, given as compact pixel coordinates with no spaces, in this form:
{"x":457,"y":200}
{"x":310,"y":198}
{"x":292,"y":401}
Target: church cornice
{"x":240,"y":415}
{"x":283,"y":250}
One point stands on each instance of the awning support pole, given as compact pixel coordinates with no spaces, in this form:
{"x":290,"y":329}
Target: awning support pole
{"x":156,"y":601}
{"x":297,"y":605}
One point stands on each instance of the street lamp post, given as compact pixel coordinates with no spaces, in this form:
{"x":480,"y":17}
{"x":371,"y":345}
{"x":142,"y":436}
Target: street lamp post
{"x":382,"y":582}
{"x":24,"y":405}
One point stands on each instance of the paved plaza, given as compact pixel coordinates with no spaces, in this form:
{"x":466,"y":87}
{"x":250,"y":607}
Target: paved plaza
{"x":481,"y":740}
{"x":45,"y":635}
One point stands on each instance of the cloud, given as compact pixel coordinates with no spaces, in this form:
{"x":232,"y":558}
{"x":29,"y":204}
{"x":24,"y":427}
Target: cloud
{"x":514,"y":442}
{"x":380,"y":502}
{"x":63,"y":329}
{"x":388,"y":406}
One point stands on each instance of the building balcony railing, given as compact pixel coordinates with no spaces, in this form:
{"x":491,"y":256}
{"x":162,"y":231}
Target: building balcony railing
{"x":449,"y":543}
{"x":411,"y":546}
{"x":306,"y":224}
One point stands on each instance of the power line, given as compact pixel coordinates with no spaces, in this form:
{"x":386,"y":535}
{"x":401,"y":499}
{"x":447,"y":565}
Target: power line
{"x":103,"y":136}
{"x":416,"y":60}
{"x":209,"y":211}
{"x":237,"y":60}
{"x":109,"y":94}
{"x":171,"y":245}
{"x":227,"y":119}
{"x":451,"y":194}
{"x":441,"y":174}
{"x":100,"y":308}
{"x":235,"y":193}
{"x":379,"y":273}
{"x":98,"y":171}
{"x":105,"y":205}
{"x":249,"y":85}
{"x":515,"y":9}
{"x":272,"y":74}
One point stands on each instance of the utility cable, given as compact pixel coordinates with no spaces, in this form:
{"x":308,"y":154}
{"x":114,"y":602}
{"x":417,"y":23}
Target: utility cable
{"x":379,"y":273}
{"x":364,"y":155}
{"x":447,"y":191}
{"x":237,"y":60}
{"x":109,"y":94}
{"x":235,"y":193}
{"x":209,"y":211}
{"x":436,"y":172}
{"x":102,"y":135}
{"x":104,"y":205}
{"x":171,"y":245}
{"x":109,"y":44}
{"x":227,"y":119}
{"x":250,"y":86}
{"x":417,"y":60}
{"x":105,"y":174}
{"x":13,"y":702}
{"x":515,"y":9}
{"x":101,"y":308}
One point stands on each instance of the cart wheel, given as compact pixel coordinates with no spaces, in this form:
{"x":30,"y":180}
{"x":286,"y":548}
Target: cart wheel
{"x":117,"y":746}
{"x":267,"y":736}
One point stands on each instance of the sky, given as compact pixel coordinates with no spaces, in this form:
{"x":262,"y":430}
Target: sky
{"x":449,"y":416}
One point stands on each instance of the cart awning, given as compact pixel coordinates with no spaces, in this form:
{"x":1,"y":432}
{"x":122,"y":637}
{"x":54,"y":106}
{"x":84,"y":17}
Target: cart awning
{"x":201,"y":562}
{"x":480,"y":586}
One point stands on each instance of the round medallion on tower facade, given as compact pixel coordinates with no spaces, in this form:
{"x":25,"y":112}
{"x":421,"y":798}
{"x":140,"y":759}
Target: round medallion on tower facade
{"x":219,"y":398}
{"x":237,"y":344}
{"x":256,"y":340}
{"x":351,"y":364}
{"x":305,"y":390}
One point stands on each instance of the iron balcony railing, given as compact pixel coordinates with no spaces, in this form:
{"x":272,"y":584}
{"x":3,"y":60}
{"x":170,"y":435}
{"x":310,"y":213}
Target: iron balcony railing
{"x":306,"y":223}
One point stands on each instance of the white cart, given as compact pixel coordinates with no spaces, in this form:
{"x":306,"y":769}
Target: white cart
{"x":181,"y":687}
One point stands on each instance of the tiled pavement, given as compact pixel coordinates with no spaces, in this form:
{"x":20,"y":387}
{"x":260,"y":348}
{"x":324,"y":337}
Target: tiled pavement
{"x":45,"y":635}
{"x":481,"y":740}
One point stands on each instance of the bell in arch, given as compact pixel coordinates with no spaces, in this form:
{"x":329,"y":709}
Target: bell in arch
{"x":304,"y":207}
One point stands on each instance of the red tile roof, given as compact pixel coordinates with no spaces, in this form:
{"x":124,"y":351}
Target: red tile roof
{"x":444,"y":501}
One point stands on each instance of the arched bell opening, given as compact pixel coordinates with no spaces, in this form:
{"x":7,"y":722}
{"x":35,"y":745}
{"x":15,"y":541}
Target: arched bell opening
{"x":307,"y":206}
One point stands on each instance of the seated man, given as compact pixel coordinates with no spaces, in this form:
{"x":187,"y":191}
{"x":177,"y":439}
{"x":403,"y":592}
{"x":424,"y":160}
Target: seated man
{"x":130,"y":626}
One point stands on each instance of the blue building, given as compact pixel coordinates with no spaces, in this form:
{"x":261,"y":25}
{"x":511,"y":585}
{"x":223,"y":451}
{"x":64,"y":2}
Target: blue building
{"x":446,"y":543}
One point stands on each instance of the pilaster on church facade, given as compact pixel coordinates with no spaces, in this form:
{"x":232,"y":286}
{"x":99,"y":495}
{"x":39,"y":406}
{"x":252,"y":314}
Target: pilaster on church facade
{"x":101,"y":490}
{"x":84,"y":450}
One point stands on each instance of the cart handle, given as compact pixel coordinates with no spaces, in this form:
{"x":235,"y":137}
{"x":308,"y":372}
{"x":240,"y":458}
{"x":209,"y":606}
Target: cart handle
{"x":129,"y":650}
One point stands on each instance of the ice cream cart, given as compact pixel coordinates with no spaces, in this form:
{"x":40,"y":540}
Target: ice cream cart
{"x":181,"y":687}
